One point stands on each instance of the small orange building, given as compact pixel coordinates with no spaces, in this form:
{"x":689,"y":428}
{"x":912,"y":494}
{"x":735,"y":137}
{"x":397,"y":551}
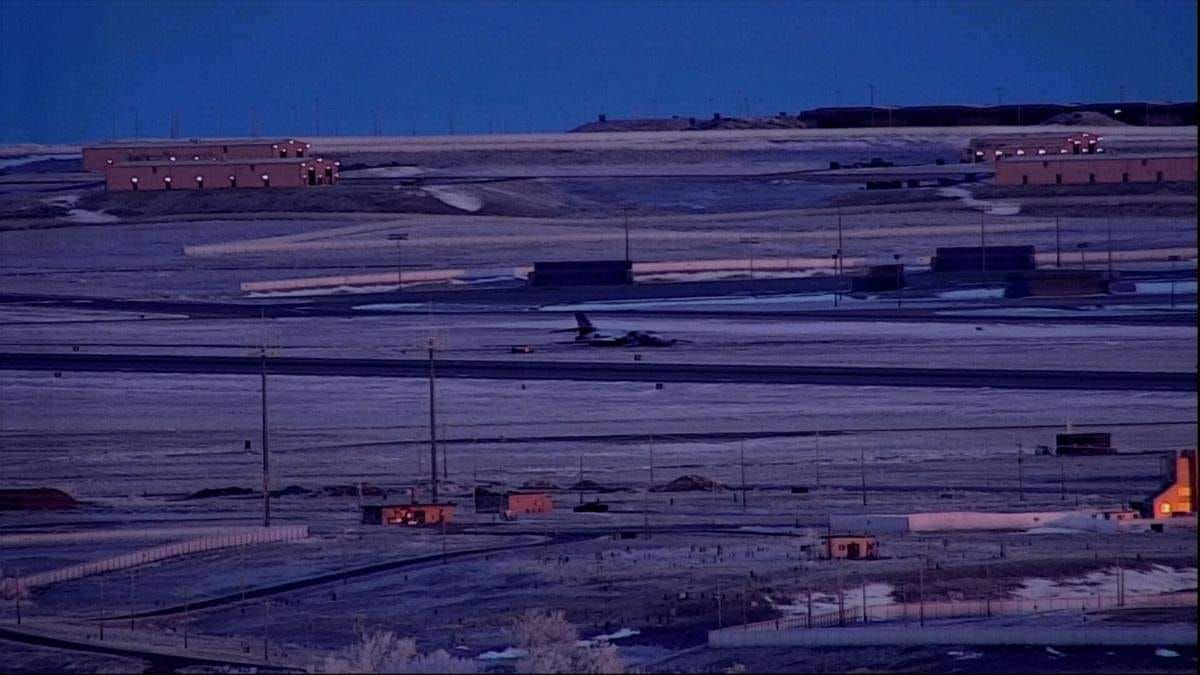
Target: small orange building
{"x":1179,"y":498}
{"x":101,"y":156}
{"x":851,"y":546}
{"x":411,"y":515}
{"x":520,"y":503}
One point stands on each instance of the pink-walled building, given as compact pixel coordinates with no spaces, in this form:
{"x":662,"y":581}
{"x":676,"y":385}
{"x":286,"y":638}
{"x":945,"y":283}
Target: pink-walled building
{"x":104,"y":155}
{"x":996,"y":147}
{"x":207,"y":174}
{"x":1104,"y":168}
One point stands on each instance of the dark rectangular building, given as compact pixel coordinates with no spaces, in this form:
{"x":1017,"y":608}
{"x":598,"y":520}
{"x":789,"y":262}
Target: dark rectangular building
{"x":971,"y":258}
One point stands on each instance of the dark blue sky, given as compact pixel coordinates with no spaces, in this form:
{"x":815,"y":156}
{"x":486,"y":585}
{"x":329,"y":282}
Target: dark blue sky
{"x":67,"y":68}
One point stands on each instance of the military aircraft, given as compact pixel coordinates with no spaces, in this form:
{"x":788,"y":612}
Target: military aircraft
{"x":588,"y":334}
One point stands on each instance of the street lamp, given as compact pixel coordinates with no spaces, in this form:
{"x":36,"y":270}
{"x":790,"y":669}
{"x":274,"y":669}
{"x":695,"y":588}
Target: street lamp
{"x":1082,"y":263}
{"x":399,"y":237}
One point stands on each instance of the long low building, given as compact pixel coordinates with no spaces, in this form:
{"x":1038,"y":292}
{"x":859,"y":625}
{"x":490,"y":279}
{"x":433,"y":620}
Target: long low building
{"x":1089,"y":169}
{"x":102,"y":156}
{"x":220,"y":174}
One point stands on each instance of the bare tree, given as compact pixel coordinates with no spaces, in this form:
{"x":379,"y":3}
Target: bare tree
{"x":552,"y":645}
{"x":383,"y":652}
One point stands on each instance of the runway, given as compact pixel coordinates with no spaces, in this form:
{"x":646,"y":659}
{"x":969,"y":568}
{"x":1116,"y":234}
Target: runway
{"x":519,"y":369}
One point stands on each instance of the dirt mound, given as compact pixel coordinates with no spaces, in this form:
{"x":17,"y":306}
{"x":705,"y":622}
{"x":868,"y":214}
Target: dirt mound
{"x":539,"y":484}
{"x":234,"y":491}
{"x":591,"y":486}
{"x":1086,"y":119}
{"x":692,"y":124}
{"x":689,"y":483}
{"x":290,"y":490}
{"x":209,"y":493}
{"x":36,"y":499}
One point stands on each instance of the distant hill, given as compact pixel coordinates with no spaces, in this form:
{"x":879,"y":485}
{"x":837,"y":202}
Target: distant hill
{"x":1137,"y":113}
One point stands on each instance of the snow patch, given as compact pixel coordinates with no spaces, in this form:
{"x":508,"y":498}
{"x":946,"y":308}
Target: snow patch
{"x":1156,"y":579}
{"x":1166,"y":653}
{"x":1055,"y":652}
{"x":507,"y":653}
{"x":457,"y":198}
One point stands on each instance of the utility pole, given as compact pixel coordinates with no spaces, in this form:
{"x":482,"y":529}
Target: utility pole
{"x":432,"y":427}
{"x":580,"y":482}
{"x":840,"y":246}
{"x":266,"y":466}
{"x":399,"y":237}
{"x":871,"y":87}
{"x":837,"y":289}
{"x":1057,"y":244}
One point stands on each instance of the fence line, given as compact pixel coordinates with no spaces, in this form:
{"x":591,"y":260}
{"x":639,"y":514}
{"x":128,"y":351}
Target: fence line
{"x":959,"y":609}
{"x":149,"y":555}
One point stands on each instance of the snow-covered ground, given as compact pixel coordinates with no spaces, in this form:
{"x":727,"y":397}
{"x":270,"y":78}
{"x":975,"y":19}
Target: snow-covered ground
{"x":1138,"y":581}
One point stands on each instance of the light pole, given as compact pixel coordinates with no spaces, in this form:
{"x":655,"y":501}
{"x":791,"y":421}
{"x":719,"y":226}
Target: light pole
{"x":1082,"y":262}
{"x":899,"y":281}
{"x":751,"y":241}
{"x":266,"y":467}
{"x":432,"y":428}
{"x":1057,"y":244}
{"x":399,"y":237}
{"x":840,"y":246}
{"x":837,"y":271}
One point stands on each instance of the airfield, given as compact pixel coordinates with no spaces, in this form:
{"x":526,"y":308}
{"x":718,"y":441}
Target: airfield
{"x":132,"y":330}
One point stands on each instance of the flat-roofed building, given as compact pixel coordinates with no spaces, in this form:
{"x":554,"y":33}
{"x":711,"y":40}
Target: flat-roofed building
{"x":996,"y":147}
{"x":1179,"y":497}
{"x":207,"y":174}
{"x":410,"y":515}
{"x":1089,"y":169}
{"x":102,"y":156}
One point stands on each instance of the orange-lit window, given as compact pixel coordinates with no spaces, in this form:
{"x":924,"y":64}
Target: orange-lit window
{"x":1185,"y":491}
{"x":1165,"y":508}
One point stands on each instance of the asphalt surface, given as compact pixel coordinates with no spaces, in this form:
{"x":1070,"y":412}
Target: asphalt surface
{"x":519,"y":369}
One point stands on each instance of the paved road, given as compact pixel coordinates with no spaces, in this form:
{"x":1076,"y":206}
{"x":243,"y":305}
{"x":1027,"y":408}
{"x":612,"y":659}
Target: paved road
{"x":519,"y":369}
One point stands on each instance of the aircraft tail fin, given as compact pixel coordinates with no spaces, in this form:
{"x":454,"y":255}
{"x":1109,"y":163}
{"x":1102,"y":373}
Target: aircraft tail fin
{"x":583,"y":322}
